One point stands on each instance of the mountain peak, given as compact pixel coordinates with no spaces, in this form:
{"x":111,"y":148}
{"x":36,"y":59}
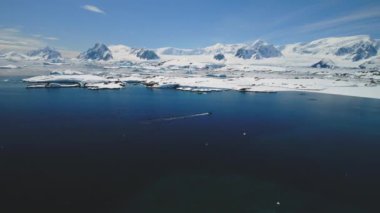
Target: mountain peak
{"x":146,"y":54}
{"x":98,"y":52}
{"x":46,"y":53}
{"x":258,"y":50}
{"x":259,"y":42}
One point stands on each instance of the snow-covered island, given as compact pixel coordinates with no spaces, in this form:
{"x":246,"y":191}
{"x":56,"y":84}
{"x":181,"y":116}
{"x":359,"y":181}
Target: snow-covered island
{"x":340,"y":65}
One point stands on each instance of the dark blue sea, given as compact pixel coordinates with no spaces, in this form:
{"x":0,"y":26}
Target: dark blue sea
{"x":130,"y":150}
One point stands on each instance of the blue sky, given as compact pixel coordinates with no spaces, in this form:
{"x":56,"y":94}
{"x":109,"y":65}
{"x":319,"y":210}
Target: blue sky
{"x":77,"y":24}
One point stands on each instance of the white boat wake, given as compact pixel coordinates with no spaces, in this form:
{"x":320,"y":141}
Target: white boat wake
{"x":177,"y":118}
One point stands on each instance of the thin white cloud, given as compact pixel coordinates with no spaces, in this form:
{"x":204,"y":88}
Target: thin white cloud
{"x":7,"y":42}
{"x":93,"y":8}
{"x":340,"y":21}
{"x":11,"y":30}
{"x":37,"y":35}
{"x":357,"y":22}
{"x":51,"y":38}
{"x":12,"y":39}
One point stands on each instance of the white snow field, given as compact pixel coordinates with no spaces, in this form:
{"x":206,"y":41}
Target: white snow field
{"x":342,"y":66}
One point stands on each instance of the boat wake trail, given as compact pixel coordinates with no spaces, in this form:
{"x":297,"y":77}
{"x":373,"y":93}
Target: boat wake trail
{"x":177,"y":118}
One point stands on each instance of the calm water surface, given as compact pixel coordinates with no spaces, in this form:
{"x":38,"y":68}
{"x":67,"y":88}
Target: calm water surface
{"x":76,"y":150}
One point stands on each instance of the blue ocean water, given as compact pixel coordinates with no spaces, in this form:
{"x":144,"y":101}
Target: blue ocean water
{"x":76,"y":150}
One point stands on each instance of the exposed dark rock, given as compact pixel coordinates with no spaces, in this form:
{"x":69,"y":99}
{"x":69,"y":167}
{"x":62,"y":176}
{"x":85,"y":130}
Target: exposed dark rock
{"x":219,"y":57}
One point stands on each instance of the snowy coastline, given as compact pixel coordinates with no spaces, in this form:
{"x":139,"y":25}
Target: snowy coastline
{"x":342,"y":66}
{"x":251,"y":82}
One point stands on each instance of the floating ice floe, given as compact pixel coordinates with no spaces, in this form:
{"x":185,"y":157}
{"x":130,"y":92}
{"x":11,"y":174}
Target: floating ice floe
{"x":52,"y":63}
{"x":80,"y":79}
{"x":10,"y":66}
{"x":52,"y":85}
{"x":105,"y":85}
{"x":112,"y":67}
{"x":66,"y":72}
{"x":217,"y":75}
{"x":199,"y":89}
{"x":133,"y":79}
{"x":36,"y":86}
{"x":166,"y":85}
{"x":73,"y":79}
{"x":56,"y":85}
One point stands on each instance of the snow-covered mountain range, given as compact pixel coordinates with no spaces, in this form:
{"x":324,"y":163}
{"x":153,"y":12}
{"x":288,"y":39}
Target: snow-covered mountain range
{"x":349,"y":51}
{"x":353,"y":48}
{"x":125,"y":53}
{"x":352,"y":51}
{"x":46,"y":53}
{"x":256,"y":50}
{"x":14,"y":56}
{"x":339,"y":65}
